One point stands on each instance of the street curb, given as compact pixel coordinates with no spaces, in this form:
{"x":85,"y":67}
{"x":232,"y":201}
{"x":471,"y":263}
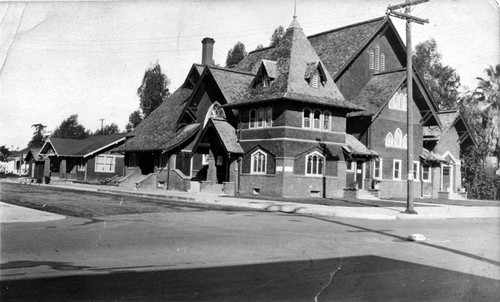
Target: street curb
{"x":371,"y":213}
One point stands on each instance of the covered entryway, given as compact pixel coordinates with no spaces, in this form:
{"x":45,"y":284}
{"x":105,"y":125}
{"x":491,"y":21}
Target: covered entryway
{"x":447,"y":180}
{"x":359,"y":174}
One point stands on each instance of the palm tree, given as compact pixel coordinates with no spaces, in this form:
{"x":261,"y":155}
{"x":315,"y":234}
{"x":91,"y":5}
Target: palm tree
{"x":488,"y":95}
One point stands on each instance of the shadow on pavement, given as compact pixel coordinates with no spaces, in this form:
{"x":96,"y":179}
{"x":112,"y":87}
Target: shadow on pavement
{"x":385,"y":232}
{"x":363,"y":278}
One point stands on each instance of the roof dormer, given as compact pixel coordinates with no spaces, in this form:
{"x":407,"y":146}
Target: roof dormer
{"x":315,"y":74}
{"x":265,"y":75}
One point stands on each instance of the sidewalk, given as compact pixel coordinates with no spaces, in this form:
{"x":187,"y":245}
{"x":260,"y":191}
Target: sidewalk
{"x":429,"y":211}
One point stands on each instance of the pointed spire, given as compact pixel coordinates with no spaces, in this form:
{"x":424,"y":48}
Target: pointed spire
{"x":295,"y":23}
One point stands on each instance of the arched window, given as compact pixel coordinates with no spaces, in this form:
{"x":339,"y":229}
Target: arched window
{"x":326,"y":121}
{"x":398,"y":138}
{"x":269,"y":117}
{"x":252,"y":118}
{"x":317,"y":119}
{"x":371,"y":59}
{"x":258,"y":163}
{"x":382,"y":62}
{"x":377,"y":57}
{"x":260,"y":118}
{"x":405,"y":142}
{"x":315,"y":164}
{"x":403,"y":101}
{"x":306,"y":118}
{"x":389,"y":140}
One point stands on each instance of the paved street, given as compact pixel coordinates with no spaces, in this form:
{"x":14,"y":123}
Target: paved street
{"x":198,"y":254}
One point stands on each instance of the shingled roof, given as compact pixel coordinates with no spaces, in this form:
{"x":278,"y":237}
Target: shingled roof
{"x":232,"y":83}
{"x":355,"y":147}
{"x":293,"y":55}
{"x":336,"y":47}
{"x":81,"y":147}
{"x":449,"y":119}
{"x":227,"y":135}
{"x":159,"y":130}
{"x":377,"y":91}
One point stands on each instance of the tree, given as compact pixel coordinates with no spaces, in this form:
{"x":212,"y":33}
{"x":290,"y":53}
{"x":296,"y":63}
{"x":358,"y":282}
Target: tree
{"x":442,"y":80}
{"x":4,"y":153}
{"x":38,"y":136}
{"x":487,"y":94}
{"x":260,"y":46}
{"x":70,"y":128}
{"x":134,"y":119}
{"x":153,"y":90}
{"x":478,"y":183}
{"x":108,"y":129}
{"x":278,"y":34}
{"x":236,"y":54}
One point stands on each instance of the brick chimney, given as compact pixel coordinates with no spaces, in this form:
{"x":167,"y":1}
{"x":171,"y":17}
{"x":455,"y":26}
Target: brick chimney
{"x":207,"y":52}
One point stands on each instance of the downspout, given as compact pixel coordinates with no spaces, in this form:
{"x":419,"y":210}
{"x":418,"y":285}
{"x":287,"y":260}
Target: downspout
{"x":238,"y":135}
{"x":168,"y":172}
{"x":238,"y":187}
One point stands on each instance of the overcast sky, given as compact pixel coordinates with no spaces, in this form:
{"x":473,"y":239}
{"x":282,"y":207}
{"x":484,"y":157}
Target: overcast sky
{"x":88,"y":58}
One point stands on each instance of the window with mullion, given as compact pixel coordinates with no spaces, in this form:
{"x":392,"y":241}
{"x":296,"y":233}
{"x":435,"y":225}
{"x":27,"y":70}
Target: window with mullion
{"x":252,"y":118}
{"x":315,"y":164}
{"x":259,"y":161}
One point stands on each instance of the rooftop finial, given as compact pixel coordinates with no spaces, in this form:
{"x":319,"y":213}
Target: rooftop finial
{"x":295,"y":9}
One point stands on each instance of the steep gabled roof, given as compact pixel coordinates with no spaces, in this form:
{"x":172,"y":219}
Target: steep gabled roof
{"x":449,"y":119}
{"x":337,"y":47}
{"x":227,"y":135}
{"x":233,"y":84}
{"x":158,"y":130}
{"x":292,"y":56}
{"x":377,"y":92}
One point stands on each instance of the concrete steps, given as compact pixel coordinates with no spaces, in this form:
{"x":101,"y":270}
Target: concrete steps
{"x":363,"y":194}
{"x":130,"y":181}
{"x":213,"y":189}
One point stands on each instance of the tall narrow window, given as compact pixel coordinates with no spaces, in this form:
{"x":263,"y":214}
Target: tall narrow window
{"x":404,"y":144}
{"x":314,"y":164}
{"x":416,"y":169}
{"x":260,"y":118}
{"x":258,"y":163}
{"x":326,"y":121}
{"x":252,"y":118}
{"x":398,"y":138}
{"x":377,"y":57}
{"x":269,"y":117}
{"x":370,"y":59}
{"x":403,"y":101}
{"x":306,"y":119}
{"x":426,"y":173}
{"x":317,"y":119}
{"x":389,"y":140}
{"x":396,"y":169}
{"x":315,"y":80}
{"x":265,"y":81}
{"x":382,"y":62}
{"x":377,"y":168}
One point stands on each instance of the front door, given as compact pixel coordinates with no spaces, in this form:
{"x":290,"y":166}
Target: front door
{"x":446,"y":178}
{"x":359,"y":174}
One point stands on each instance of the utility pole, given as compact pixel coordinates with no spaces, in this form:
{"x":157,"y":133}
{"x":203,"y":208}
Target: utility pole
{"x":409,"y":87}
{"x":101,"y":119}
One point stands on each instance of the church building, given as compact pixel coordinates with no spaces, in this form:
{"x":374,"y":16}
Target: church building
{"x":317,"y":116}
